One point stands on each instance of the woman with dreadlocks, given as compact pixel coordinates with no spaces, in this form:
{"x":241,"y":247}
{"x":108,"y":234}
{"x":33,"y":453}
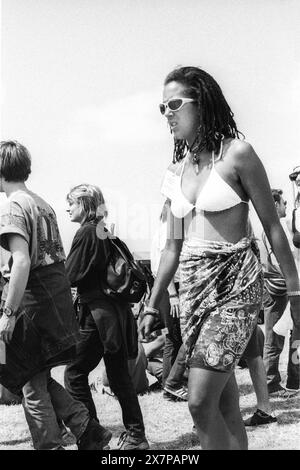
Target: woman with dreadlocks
{"x":209,"y":188}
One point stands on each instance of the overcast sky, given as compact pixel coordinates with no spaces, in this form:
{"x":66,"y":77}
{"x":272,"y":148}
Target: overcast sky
{"x":82,"y":79}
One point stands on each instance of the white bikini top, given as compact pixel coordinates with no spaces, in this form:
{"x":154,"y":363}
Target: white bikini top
{"x":216,"y":194}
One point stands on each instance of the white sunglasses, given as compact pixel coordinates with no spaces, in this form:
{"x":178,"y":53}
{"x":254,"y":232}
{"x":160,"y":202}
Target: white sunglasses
{"x":174,"y":104}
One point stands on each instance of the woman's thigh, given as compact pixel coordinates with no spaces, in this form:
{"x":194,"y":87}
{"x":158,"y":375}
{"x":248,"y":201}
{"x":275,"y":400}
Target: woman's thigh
{"x":229,"y":400}
{"x":206,"y":386}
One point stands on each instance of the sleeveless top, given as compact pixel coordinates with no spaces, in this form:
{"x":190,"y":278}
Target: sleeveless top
{"x":216,"y":195}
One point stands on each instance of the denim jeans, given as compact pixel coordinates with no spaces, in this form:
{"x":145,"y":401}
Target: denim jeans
{"x":45,"y":402}
{"x":177,"y":374}
{"x":173,"y":337}
{"x":89,"y":353}
{"x":274,"y":309}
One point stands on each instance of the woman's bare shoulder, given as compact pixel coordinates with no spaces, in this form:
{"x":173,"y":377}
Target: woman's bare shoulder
{"x":240,"y":152}
{"x":238,"y":147}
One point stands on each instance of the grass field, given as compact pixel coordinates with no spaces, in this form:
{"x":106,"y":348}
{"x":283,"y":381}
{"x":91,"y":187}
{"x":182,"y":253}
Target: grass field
{"x":168,"y":424}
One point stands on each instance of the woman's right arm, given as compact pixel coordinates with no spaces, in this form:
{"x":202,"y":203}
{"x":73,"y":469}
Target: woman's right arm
{"x":167,"y":268}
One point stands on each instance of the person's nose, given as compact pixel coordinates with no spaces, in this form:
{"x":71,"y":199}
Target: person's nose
{"x":168,"y":113}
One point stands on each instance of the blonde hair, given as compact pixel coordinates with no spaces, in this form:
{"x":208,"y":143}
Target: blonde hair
{"x":91,"y":201}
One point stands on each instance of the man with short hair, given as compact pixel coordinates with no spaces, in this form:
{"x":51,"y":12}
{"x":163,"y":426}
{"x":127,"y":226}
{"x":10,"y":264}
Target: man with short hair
{"x":37,"y":319}
{"x":276,"y":303}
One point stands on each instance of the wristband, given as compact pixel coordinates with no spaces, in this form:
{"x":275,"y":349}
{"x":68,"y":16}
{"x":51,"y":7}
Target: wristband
{"x":151,"y":311}
{"x":293,"y":293}
{"x":8,"y":311}
{"x":173,"y":295}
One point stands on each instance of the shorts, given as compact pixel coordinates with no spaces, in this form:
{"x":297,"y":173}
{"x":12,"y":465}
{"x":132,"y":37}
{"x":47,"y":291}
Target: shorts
{"x":255,"y":347}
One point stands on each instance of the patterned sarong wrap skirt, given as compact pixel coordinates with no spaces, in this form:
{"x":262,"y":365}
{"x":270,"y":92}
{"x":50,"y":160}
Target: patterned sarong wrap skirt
{"x":221,"y":289}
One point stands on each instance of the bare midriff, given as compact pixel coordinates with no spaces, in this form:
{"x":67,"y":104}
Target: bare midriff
{"x":230,"y":225}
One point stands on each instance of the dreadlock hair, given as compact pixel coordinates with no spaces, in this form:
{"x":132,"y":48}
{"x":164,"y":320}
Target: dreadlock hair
{"x":215,"y":116}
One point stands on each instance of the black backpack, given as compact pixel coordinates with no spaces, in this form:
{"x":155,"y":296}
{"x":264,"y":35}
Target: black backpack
{"x":296,"y":234}
{"x":124,"y":278}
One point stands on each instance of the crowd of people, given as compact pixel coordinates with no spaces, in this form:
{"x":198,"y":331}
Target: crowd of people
{"x":209,"y":290}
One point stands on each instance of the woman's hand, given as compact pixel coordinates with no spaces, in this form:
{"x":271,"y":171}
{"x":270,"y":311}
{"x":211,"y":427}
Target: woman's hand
{"x":174,"y":303}
{"x":145,"y":327}
{"x":7,"y":326}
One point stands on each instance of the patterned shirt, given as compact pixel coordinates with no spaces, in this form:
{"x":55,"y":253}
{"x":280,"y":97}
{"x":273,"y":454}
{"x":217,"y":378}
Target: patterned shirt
{"x":28,"y":215}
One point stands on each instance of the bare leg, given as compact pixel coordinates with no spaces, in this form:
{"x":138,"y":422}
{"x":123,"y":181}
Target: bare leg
{"x":259,"y":380}
{"x":215,"y":411}
{"x":230,"y":409}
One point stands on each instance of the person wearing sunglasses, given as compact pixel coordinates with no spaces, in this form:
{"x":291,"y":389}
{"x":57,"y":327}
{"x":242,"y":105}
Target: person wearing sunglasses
{"x":213,"y":177}
{"x":174,"y":104}
{"x":276,"y":302}
{"x":294,"y":223}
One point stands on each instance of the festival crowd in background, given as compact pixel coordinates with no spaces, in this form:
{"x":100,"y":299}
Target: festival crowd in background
{"x":187,"y":318}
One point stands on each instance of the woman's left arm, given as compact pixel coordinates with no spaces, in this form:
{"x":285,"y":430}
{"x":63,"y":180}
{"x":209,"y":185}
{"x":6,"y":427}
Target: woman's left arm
{"x":254,"y":181}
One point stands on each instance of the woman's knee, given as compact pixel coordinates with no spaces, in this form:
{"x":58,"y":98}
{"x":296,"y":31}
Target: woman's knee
{"x":201,"y":405}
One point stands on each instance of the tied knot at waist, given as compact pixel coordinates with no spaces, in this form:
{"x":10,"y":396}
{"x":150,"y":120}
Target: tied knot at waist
{"x":213,"y":249}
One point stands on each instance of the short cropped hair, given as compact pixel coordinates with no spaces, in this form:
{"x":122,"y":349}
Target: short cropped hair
{"x":91,"y":201}
{"x":277,"y":195}
{"x":15,"y":161}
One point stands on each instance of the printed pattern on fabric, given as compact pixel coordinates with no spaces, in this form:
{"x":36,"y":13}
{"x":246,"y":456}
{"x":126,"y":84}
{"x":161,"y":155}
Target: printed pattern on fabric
{"x":48,"y":238}
{"x":14,"y":220}
{"x":221,"y":292}
{"x":27,"y":214}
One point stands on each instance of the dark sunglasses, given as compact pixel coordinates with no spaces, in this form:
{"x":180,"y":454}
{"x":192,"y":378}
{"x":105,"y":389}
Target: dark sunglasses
{"x":295,"y":173}
{"x":174,"y":104}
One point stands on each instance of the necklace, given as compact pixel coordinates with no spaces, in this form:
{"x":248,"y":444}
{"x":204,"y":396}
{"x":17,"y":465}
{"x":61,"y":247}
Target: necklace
{"x":195,"y":153}
{"x":195,"y":161}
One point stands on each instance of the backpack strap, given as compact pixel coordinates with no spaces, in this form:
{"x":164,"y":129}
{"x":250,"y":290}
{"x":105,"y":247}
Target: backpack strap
{"x":122,"y":248}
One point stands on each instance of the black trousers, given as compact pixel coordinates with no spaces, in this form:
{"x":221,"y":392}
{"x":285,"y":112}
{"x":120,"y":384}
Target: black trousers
{"x":90,"y":351}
